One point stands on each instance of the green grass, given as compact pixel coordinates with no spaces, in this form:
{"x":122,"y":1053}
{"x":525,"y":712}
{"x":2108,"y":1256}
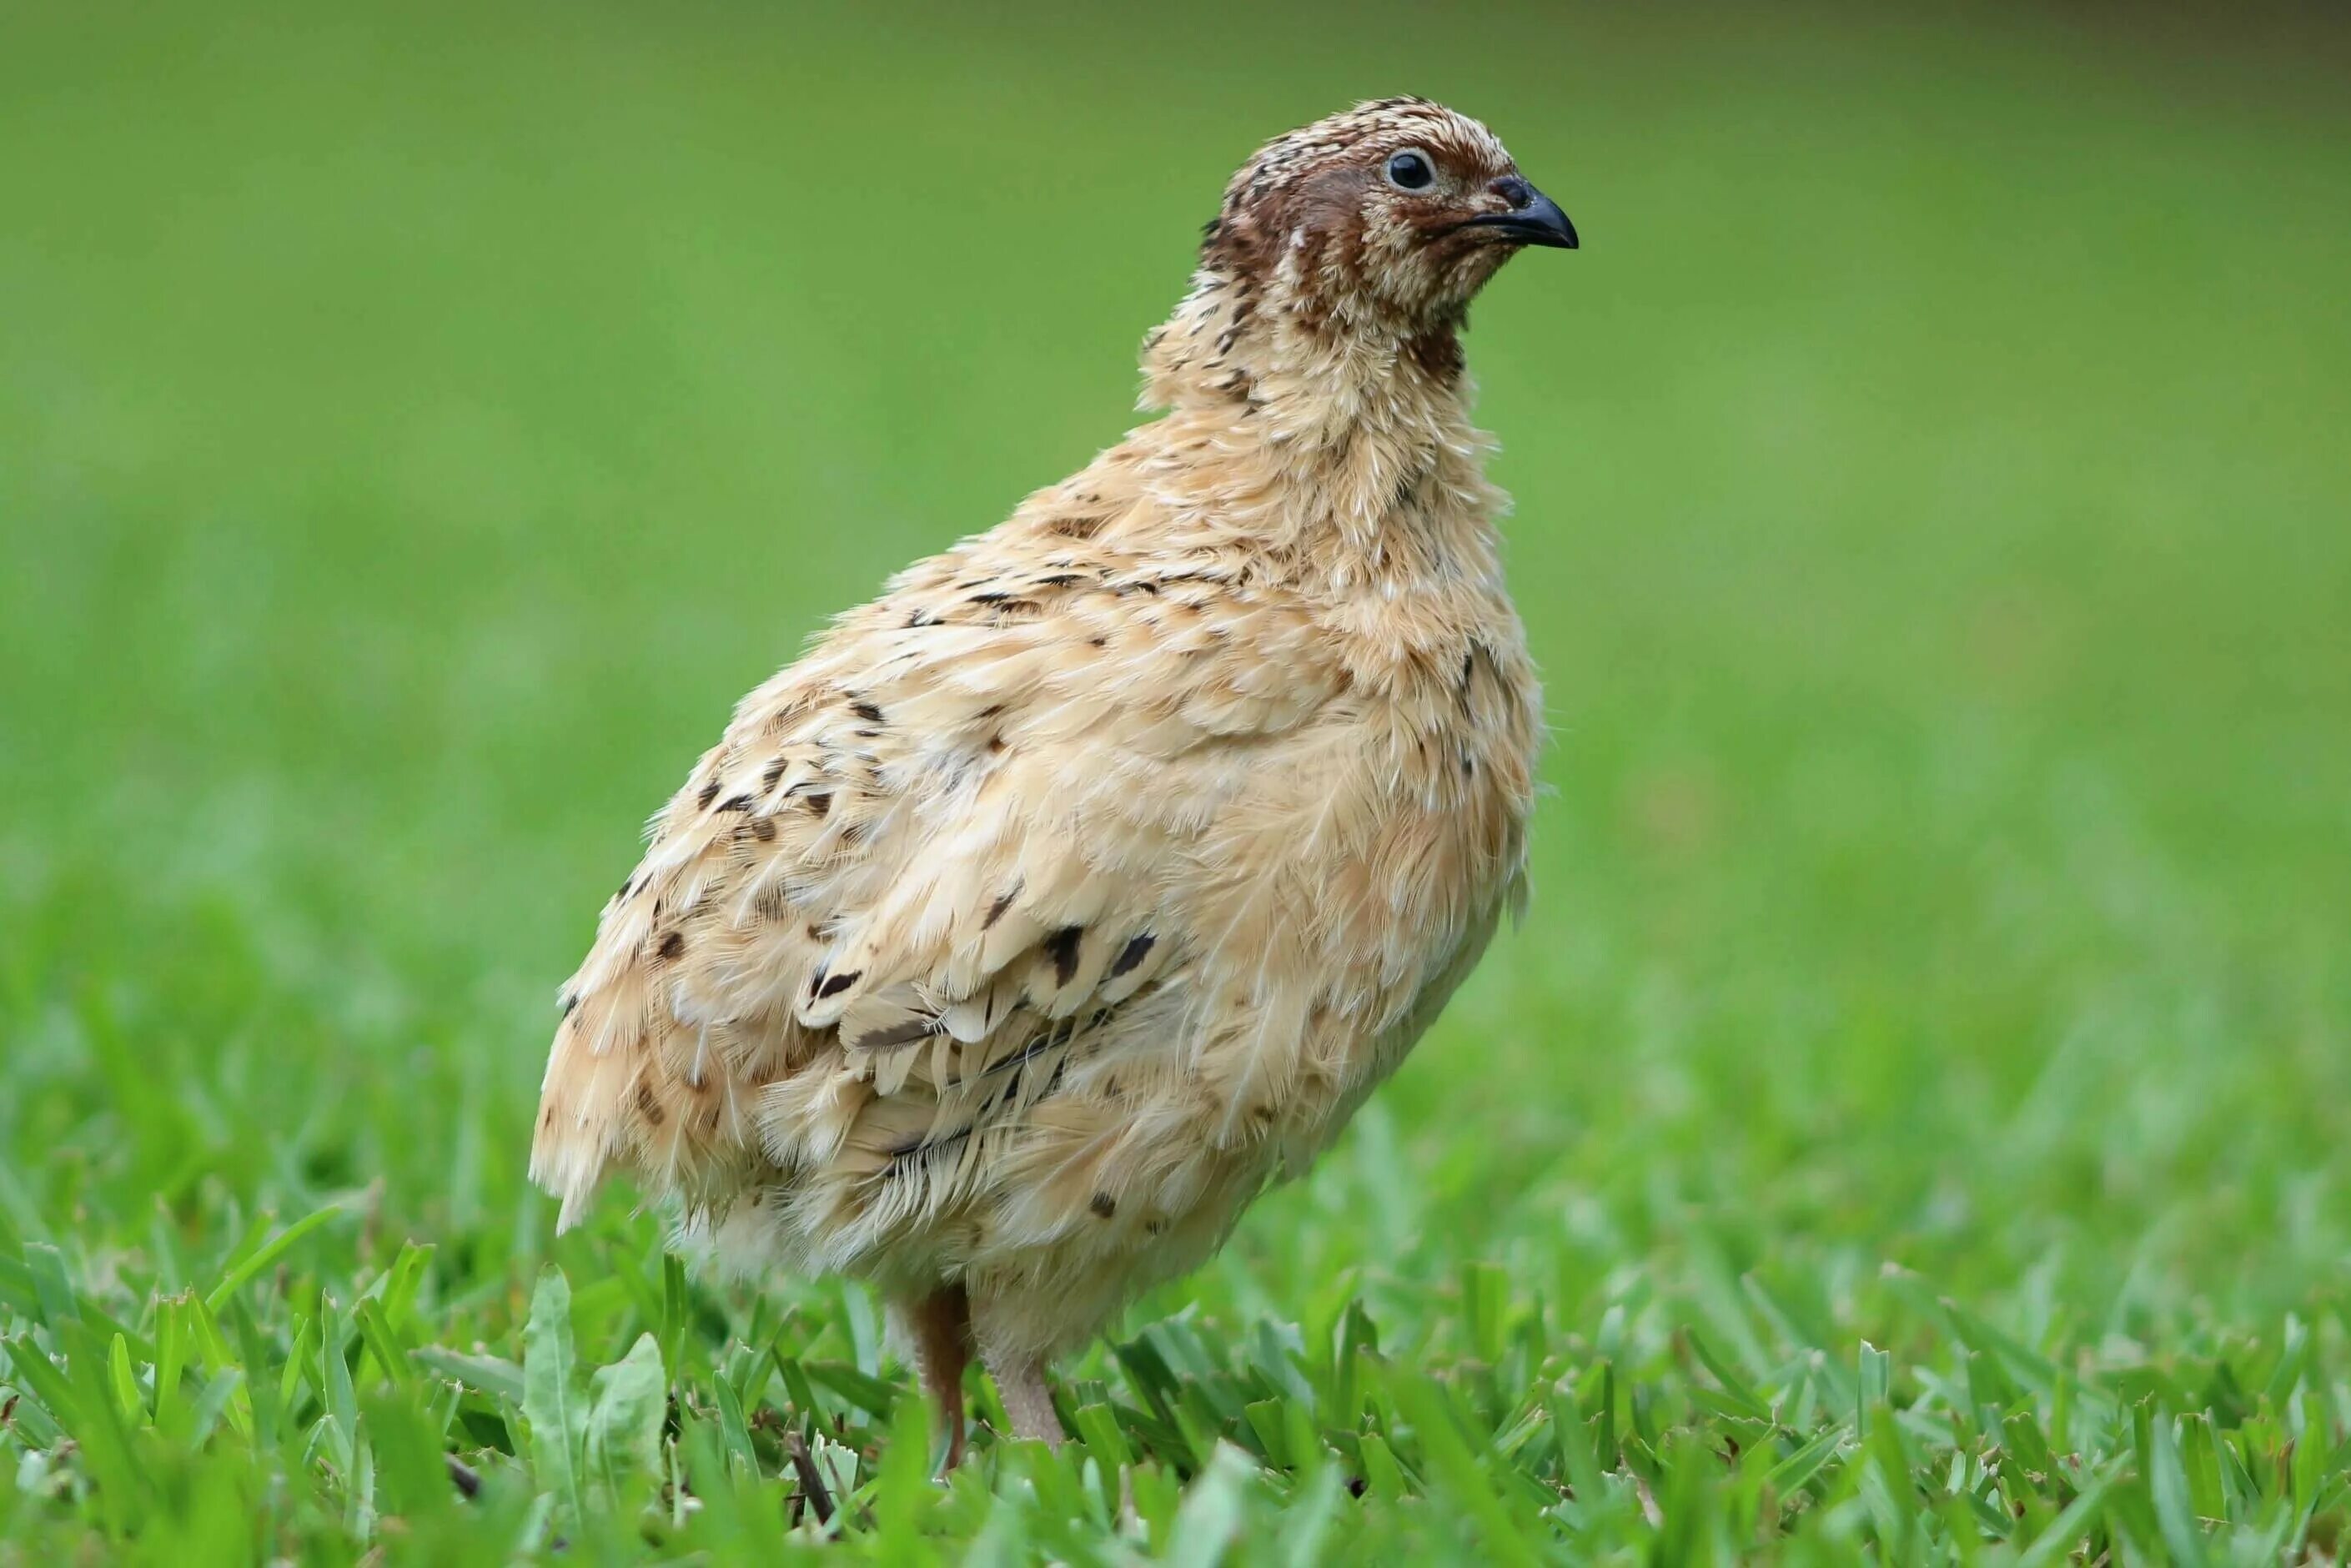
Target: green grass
{"x":1909,"y":1127}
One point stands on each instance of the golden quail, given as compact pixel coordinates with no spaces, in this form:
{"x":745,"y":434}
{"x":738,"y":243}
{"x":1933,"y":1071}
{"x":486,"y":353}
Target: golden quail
{"x":1012,"y":940}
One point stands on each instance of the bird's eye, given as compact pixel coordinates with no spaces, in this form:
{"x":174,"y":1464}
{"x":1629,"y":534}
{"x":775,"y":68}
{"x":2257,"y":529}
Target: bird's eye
{"x":1409,"y":171}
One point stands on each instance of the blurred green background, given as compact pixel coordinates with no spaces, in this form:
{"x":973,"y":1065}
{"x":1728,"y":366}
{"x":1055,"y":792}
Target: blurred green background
{"x":418,"y":424}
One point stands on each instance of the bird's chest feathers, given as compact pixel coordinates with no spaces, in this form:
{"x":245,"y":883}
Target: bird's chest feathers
{"x":1459,"y":735}
{"x":1436,"y":663}
{"x":1446,"y":709}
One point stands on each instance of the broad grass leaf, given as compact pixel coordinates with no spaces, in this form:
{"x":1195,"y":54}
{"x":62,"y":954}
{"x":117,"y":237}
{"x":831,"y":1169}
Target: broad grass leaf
{"x":550,"y":1398}
{"x":1215,"y":1508}
{"x":629,"y":1402}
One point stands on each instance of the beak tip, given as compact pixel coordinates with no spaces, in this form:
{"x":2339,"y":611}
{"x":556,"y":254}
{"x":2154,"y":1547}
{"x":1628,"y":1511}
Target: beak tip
{"x":1556,"y":224}
{"x":1536,"y":220}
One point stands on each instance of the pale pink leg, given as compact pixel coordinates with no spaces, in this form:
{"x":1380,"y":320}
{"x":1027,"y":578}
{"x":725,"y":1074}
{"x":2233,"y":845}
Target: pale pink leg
{"x":1028,"y":1399}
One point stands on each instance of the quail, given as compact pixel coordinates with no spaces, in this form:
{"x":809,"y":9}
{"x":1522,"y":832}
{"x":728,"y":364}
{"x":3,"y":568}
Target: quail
{"x":1085,"y":881}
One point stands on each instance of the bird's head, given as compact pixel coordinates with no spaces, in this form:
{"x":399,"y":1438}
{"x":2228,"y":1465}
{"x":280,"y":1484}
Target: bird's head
{"x":1392,"y":213}
{"x":1344,"y":250}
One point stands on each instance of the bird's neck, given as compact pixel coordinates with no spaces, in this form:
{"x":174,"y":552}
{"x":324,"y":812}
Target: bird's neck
{"x":1316,"y":365}
{"x":1364,"y":421}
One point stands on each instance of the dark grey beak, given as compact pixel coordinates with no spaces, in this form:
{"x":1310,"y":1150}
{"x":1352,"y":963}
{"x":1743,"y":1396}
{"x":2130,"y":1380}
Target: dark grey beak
{"x":1534,"y":218}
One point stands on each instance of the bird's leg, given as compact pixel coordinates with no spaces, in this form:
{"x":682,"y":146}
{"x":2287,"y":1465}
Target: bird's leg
{"x":1028,"y":1400}
{"x":939,"y":1324}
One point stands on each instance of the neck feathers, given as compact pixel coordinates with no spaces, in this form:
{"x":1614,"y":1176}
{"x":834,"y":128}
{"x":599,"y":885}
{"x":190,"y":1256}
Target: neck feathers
{"x":1360,"y":425}
{"x":1271,"y":345}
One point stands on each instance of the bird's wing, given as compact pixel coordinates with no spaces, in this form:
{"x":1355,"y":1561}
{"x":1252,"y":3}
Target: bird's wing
{"x":925,"y":861}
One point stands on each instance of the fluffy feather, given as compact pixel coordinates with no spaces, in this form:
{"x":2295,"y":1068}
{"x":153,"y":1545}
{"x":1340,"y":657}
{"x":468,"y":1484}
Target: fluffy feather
{"x":1089,"y":877}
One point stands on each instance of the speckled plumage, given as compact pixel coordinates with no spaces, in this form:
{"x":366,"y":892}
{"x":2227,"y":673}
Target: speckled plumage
{"x":1010,"y":941}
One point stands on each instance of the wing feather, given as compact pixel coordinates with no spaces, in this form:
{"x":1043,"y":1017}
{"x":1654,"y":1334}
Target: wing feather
{"x":929,"y":867}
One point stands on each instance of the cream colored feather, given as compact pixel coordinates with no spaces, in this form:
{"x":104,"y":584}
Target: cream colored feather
{"x":1092,"y":875}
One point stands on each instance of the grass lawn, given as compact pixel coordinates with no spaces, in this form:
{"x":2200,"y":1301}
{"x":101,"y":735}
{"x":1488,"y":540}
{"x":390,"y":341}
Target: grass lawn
{"x":1909,"y":1127}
